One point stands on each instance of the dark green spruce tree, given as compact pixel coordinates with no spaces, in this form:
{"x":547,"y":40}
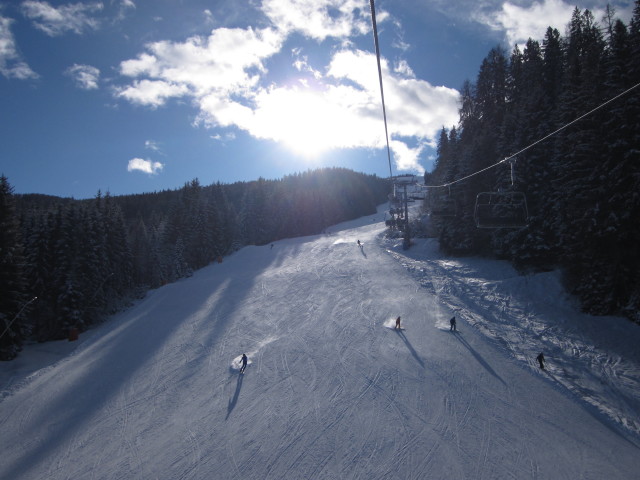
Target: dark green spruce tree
{"x":12,"y":281}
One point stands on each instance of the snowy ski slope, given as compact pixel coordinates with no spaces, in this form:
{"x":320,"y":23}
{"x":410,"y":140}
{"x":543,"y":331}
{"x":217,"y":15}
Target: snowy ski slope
{"x":332,"y":391}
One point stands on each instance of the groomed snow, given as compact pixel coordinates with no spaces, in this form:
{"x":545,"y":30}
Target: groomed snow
{"x":332,"y":390}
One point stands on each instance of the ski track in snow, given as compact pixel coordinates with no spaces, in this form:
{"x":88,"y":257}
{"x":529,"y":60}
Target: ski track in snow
{"x":605,"y":374}
{"x":332,"y":390}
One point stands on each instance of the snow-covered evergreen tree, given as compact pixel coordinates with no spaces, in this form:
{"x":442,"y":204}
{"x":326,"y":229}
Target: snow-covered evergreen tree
{"x":12,"y":282}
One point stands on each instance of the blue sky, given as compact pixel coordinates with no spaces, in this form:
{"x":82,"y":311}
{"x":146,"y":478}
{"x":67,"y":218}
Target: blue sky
{"x":133,"y":96}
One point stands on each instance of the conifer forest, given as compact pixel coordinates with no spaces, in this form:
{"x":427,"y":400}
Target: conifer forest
{"x":574,"y":155}
{"x":66,"y":264}
{"x":581,"y":184}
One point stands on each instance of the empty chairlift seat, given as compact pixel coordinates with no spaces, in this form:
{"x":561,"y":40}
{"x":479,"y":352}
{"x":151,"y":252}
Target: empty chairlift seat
{"x":501,"y":210}
{"x":444,"y":206}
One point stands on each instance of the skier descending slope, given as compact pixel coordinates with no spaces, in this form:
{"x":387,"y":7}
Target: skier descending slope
{"x":540,"y":359}
{"x":244,"y":363}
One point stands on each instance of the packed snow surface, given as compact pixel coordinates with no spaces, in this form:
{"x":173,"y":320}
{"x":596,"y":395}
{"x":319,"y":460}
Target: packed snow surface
{"x":332,"y":390}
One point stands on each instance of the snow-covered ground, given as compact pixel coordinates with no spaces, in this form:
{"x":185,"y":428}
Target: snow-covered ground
{"x":332,"y":390}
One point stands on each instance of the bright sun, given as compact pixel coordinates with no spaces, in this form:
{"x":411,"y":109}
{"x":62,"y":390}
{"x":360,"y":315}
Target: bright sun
{"x":307,"y":123}
{"x":304,"y":121}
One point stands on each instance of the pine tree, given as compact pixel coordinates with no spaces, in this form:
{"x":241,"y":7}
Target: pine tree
{"x":614,"y":226}
{"x":632,"y":111}
{"x":141,"y":253}
{"x":581,"y":153}
{"x":67,"y":265}
{"x":526,"y":121}
{"x":225,"y":221}
{"x":482,"y":114}
{"x":254,"y":216}
{"x":119,"y":266}
{"x":12,"y":281}
{"x":39,"y":271}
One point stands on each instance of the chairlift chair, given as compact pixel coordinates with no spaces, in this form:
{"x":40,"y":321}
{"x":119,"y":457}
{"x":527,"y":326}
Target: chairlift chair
{"x":505,"y":209}
{"x":444,"y":207}
{"x":441,"y":205}
{"x":395,"y":201}
{"x":502,"y":209}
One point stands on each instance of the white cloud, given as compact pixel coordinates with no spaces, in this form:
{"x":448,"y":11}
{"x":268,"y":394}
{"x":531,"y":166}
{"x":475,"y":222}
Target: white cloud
{"x":146,"y":166}
{"x":319,"y":19}
{"x":54,"y":21}
{"x":407,"y":158}
{"x":11,"y":63}
{"x":225,"y":76}
{"x":415,"y":108}
{"x":229,"y":60}
{"x":520,"y":20}
{"x":85,"y":76}
{"x":301,"y":63}
{"x":345,"y":113}
{"x":403,"y":68}
{"x":151,"y":93}
{"x":521,"y":23}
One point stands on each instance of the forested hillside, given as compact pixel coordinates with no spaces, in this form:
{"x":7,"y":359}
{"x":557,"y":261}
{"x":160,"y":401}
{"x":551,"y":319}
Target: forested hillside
{"x":66,"y":263}
{"x":581,"y":184}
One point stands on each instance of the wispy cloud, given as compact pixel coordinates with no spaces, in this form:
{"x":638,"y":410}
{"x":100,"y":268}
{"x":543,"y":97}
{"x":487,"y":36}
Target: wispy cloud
{"x":86,"y":77}
{"x":146,"y":166}
{"x":126,"y":4}
{"x":152,"y":145}
{"x":11,"y":63}
{"x":229,"y":136}
{"x":208,"y":16}
{"x":124,"y":7}
{"x":54,"y":21}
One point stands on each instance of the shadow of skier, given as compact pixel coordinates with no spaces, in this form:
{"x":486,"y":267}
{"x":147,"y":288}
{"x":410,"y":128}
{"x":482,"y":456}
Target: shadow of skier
{"x":410,"y":347}
{"x":233,"y":401}
{"x":477,"y":356}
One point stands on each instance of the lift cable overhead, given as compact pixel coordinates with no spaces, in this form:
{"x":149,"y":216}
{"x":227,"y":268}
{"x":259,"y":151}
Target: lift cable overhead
{"x":384,"y":110}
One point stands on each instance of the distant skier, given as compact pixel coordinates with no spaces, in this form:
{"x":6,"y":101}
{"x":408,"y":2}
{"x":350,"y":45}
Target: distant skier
{"x":453,"y":324}
{"x":359,"y":244}
{"x":540,"y":359}
{"x":244,"y":362}
{"x":398,"y":323}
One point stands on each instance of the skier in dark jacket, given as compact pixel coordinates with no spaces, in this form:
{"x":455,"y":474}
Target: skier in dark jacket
{"x":244,"y":362}
{"x":540,"y":359}
{"x":453,"y":324}
{"x":398,"y":323}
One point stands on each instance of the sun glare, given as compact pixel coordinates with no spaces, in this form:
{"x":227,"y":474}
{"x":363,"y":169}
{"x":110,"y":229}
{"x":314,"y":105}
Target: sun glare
{"x":305,"y":122}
